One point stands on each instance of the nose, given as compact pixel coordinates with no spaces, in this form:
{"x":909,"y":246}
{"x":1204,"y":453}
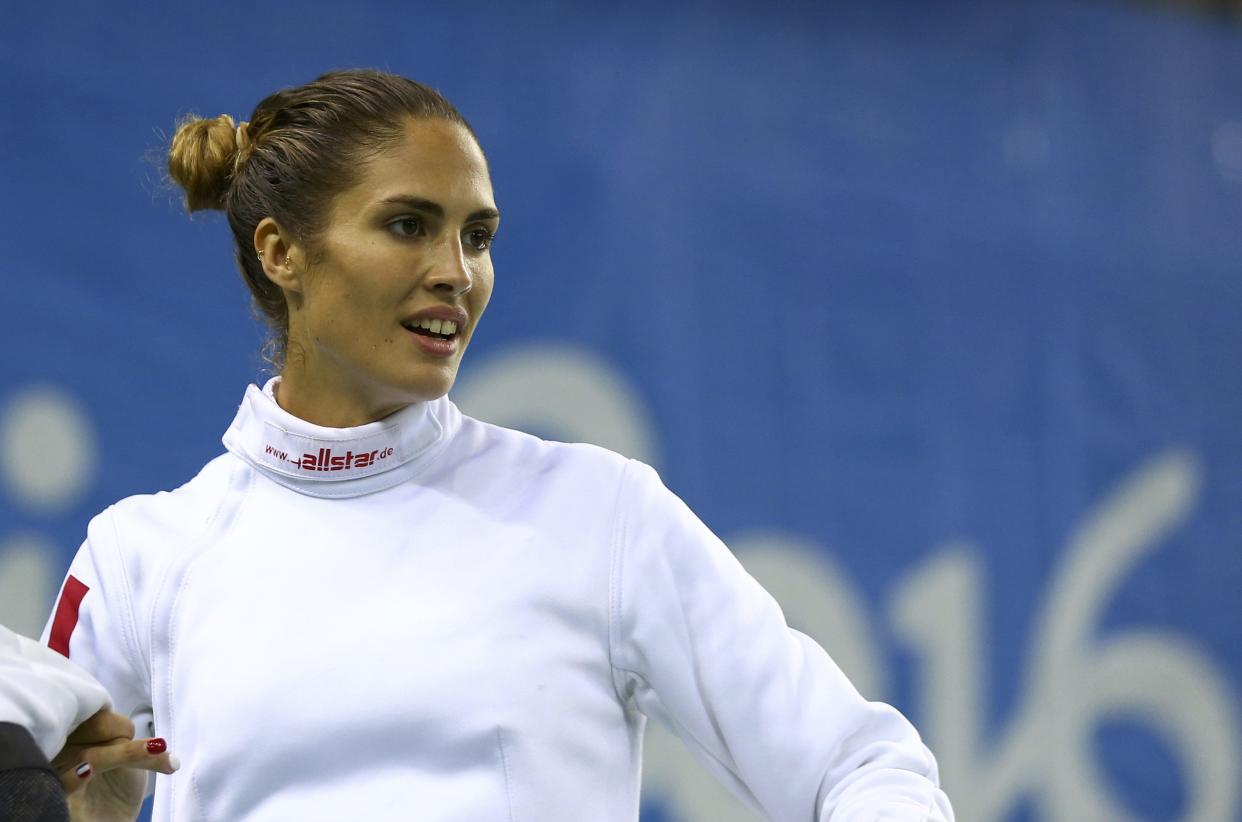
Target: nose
{"x":449,"y":274}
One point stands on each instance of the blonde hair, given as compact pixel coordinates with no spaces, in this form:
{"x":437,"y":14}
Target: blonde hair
{"x":204,"y":157}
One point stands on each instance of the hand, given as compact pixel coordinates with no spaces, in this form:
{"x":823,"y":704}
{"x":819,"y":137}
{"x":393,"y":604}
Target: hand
{"x":115,"y":779}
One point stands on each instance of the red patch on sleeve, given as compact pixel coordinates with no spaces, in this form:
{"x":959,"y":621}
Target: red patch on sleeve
{"x":66,"y":615}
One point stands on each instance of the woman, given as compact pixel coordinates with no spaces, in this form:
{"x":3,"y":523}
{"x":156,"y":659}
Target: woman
{"x":375,"y":607}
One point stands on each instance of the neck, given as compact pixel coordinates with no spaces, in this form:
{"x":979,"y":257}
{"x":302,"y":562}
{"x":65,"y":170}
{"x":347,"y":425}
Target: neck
{"x":332,"y":406}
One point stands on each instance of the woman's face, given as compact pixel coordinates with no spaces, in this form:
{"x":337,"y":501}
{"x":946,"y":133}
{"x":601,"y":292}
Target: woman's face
{"x":395,"y":287}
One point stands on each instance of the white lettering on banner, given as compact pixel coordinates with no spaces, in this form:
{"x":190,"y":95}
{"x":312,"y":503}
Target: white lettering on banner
{"x":1076,"y":679}
{"x":48,"y":448}
{"x":30,"y":569}
{"x":561,"y":391}
{"x":49,"y":458}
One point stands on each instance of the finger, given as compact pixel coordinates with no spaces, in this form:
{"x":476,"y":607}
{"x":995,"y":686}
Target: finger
{"x":73,"y":779}
{"x":69,"y":757}
{"x":103,"y":726}
{"x":164,"y":763}
{"x":147,"y":754}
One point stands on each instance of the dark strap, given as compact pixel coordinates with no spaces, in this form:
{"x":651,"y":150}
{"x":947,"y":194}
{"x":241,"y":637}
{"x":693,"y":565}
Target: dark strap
{"x":32,"y":795}
{"x":18,"y":749}
{"x":30,"y":791}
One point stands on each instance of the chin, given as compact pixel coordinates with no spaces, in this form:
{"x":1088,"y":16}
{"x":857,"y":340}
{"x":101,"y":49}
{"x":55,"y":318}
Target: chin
{"x":427,"y":387}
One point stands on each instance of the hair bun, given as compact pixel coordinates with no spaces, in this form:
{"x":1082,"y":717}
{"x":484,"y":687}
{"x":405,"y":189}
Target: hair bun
{"x":203,"y":158}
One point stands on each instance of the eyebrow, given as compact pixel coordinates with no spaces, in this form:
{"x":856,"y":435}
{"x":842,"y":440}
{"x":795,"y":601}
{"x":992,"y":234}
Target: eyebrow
{"x":437,"y":210}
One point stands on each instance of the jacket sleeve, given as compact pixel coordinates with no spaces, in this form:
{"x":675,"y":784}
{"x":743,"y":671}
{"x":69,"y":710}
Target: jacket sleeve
{"x":44,"y":693}
{"x":93,"y":625}
{"x":701,"y":647}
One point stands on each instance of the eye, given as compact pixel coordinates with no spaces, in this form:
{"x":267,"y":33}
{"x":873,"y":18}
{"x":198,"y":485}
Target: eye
{"x":406,"y":227}
{"x":480,"y":239}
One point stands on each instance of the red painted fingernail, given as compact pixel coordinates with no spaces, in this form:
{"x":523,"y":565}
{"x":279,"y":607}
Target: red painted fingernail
{"x":156,"y":746}
{"x":83,"y":771}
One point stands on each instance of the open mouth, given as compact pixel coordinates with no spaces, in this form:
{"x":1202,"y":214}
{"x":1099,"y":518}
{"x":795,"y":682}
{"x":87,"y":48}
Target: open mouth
{"x":436,"y":329}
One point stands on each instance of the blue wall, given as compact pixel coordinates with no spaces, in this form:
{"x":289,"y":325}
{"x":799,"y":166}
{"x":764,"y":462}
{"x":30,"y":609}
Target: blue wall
{"x":932,"y":310}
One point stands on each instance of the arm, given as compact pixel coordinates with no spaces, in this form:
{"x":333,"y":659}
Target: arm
{"x":701,"y":647}
{"x":43,"y":697}
{"x":93,"y":625}
{"x":44,"y":693}
{"x":56,"y":733}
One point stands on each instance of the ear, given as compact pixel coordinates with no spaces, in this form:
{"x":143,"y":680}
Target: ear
{"x":278,"y":254}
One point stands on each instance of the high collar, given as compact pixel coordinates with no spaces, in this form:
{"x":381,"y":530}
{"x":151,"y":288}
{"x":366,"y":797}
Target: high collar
{"x":337,"y":462}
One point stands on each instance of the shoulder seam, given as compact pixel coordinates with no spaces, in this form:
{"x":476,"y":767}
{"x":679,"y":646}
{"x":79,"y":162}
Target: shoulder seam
{"x":129,"y":625}
{"x":616,"y":579}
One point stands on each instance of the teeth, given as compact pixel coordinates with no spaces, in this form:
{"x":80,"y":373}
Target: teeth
{"x":446,"y":327}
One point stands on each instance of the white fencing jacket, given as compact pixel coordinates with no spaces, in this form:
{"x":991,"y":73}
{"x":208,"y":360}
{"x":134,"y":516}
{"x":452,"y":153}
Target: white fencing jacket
{"x":433,"y":618}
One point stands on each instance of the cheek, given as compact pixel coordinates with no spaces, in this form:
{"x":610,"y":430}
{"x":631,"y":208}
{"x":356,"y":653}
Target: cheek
{"x":349,"y":302}
{"x":481,"y":291}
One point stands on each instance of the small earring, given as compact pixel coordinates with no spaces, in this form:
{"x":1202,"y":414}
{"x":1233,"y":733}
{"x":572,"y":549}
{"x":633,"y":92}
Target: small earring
{"x":260,"y":253}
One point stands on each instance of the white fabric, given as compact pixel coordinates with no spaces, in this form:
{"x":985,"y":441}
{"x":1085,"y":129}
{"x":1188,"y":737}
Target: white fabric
{"x":314,"y":459}
{"x":45,"y":693}
{"x":476,"y":632}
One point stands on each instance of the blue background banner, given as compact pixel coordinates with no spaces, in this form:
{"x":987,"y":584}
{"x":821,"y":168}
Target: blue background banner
{"x":932,"y":311}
